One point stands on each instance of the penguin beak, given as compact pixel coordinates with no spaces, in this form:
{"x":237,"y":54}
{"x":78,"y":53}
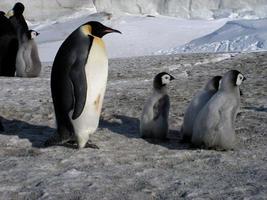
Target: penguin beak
{"x":37,"y":33}
{"x":244,"y":78}
{"x":172,"y":78}
{"x":110,"y":30}
{"x":10,"y":13}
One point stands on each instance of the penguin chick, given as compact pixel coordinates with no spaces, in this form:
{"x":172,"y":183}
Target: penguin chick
{"x":214,"y":125}
{"x":196,"y":104}
{"x":78,"y":83}
{"x":28,"y":63}
{"x":154,"y":118}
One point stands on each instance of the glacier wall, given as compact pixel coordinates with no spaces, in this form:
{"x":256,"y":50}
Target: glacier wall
{"x":196,"y":9}
{"x":41,"y":10}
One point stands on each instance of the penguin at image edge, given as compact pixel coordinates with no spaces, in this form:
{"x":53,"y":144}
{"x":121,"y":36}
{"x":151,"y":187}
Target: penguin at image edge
{"x":8,"y":46}
{"x":17,"y":19}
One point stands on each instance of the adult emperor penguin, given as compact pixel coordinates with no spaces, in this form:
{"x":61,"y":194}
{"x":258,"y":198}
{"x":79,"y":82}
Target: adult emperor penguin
{"x":78,"y":83}
{"x":1,"y":126}
{"x":17,"y":19}
{"x":8,"y":46}
{"x":196,"y":104}
{"x":154,"y":118}
{"x":214,"y":125}
{"x":28,"y":63}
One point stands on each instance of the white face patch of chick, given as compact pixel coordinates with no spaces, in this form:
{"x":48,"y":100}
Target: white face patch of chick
{"x":166,"y":79}
{"x":33,"y":34}
{"x":239,"y":79}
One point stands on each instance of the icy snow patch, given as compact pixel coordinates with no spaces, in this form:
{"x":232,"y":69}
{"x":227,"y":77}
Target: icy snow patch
{"x":140,"y":35}
{"x":234,"y":36}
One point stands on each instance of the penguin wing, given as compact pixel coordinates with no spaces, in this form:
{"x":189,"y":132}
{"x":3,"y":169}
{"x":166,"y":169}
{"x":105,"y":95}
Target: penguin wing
{"x":78,"y":79}
{"x":214,"y":115}
{"x":161,"y":107}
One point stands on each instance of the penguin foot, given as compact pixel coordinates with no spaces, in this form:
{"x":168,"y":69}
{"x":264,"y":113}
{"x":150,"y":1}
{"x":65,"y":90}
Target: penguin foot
{"x":90,"y":144}
{"x":56,"y":140}
{"x":186,"y":139}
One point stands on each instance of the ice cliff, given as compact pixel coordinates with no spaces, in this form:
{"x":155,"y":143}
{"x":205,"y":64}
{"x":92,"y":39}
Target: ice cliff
{"x":189,"y":9}
{"x":201,"y":9}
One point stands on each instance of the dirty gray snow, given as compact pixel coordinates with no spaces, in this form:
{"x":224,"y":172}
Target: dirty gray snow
{"x":126,"y":166}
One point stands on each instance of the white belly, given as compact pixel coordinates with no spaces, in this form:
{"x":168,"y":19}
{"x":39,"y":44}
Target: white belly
{"x":96,"y":76}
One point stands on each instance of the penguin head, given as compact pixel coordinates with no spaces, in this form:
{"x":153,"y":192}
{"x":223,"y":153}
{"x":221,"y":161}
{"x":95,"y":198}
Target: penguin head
{"x":214,"y":83}
{"x":232,"y":78}
{"x":97,"y":29}
{"x":18,"y":9}
{"x":32,"y":34}
{"x":239,"y":79}
{"x":162,"y":79}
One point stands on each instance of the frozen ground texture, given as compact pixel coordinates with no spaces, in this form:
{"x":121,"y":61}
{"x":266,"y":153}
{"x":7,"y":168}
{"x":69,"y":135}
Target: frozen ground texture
{"x":126,"y":166}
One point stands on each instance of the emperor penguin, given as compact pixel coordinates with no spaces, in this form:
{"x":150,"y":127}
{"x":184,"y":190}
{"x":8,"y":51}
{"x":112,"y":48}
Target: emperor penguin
{"x":154,"y":119}
{"x":1,"y":126}
{"x":28,"y":63}
{"x":78,"y":83}
{"x":17,"y":19}
{"x":8,"y":46}
{"x":196,"y":104}
{"x":214,"y":126}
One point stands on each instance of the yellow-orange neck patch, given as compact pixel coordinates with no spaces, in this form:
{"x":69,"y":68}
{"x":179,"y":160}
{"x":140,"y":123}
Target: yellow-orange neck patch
{"x":86,"y":29}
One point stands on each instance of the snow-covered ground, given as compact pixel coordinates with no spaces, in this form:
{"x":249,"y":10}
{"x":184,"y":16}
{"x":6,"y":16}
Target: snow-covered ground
{"x":142,"y":35}
{"x":234,"y":36}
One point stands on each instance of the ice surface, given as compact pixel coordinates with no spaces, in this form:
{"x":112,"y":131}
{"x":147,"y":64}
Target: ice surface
{"x":141,"y":35}
{"x":42,"y":10}
{"x":234,"y":36}
{"x":190,"y":9}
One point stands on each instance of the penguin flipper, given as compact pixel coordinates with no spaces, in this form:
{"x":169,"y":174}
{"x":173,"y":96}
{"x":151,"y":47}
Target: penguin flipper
{"x":78,"y":79}
{"x":213,"y":125}
{"x":160,"y":107}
